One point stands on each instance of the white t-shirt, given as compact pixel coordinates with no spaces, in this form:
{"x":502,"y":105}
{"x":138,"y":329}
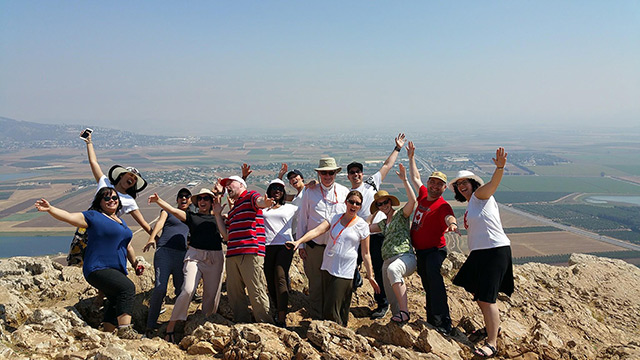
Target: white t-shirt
{"x":277,"y":224}
{"x":368,"y":192}
{"x":320,"y":204}
{"x":128,"y":203}
{"x":341,"y":254}
{"x":484,"y":228}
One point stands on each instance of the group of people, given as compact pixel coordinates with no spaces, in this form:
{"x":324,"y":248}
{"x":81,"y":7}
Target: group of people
{"x":335,"y":229}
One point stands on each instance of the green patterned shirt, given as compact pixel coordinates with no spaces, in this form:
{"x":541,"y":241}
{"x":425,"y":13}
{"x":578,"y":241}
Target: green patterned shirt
{"x":396,"y":235}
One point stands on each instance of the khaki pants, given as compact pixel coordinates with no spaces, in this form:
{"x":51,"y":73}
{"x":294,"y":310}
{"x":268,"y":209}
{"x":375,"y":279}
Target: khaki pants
{"x":312,"y":269}
{"x":246,"y":271}
{"x":205,"y":264}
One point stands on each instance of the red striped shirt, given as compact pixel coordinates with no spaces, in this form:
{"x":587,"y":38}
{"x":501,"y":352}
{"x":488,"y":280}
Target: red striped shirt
{"x":245,"y":226}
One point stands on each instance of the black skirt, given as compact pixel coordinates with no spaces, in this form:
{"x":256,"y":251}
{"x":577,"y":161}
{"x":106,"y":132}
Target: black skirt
{"x":487,"y":272}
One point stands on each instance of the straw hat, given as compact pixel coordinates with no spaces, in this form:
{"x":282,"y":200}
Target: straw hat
{"x":116,"y":170}
{"x":328,"y":164}
{"x":464,"y":174}
{"x":381,"y":195}
{"x":203,"y":191}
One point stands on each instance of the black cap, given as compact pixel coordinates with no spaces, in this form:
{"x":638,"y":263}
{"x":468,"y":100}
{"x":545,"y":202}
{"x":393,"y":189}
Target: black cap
{"x":183,"y":191}
{"x":294,"y":172}
{"x":355,"y":164}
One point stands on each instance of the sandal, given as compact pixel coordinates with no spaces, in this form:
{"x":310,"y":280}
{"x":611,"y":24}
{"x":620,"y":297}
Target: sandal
{"x":480,"y":334}
{"x":401,"y":317}
{"x":480,"y":351}
{"x":170,"y":337}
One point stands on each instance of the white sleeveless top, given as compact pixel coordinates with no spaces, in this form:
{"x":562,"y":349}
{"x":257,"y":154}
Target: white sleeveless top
{"x":484,"y":228}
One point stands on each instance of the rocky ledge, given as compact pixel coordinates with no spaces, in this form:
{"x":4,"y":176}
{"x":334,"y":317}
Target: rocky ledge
{"x":587,"y":310}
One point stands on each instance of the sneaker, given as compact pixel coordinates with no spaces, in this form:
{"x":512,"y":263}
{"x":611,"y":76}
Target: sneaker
{"x":446,"y":331}
{"x":128,"y":333}
{"x":197,"y":298}
{"x":380,"y":312}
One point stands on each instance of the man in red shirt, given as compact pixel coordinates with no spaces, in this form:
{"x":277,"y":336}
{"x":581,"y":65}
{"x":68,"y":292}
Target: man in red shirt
{"x":245,"y":252}
{"x":431,"y":220}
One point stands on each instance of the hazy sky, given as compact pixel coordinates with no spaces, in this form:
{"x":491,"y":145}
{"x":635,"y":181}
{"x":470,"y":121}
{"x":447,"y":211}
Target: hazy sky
{"x":203,"y":67}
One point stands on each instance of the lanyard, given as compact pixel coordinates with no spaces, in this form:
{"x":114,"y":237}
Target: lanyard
{"x":340,"y":233}
{"x":335,"y":195}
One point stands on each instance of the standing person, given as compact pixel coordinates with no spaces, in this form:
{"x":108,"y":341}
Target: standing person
{"x":127,"y":181}
{"x":204,"y":258}
{"x":397,"y":252}
{"x":318,"y":204}
{"x":348,"y":232}
{"x":368,"y":189}
{"x":105,"y":259}
{"x":245,"y":235}
{"x":488,"y":268}
{"x":168,"y":258}
{"x":432,"y":219}
{"x":277,"y":261}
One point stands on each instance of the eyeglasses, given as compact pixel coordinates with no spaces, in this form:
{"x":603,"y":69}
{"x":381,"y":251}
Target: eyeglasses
{"x":353,"y":202}
{"x":207,"y":198}
{"x":461,"y":182}
{"x":112,"y":197}
{"x":332,"y":172}
{"x":183,"y":196}
{"x":378,"y":204}
{"x":353,"y":172}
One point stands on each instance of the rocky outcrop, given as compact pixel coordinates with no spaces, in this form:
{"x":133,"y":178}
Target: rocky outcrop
{"x":587,"y":310}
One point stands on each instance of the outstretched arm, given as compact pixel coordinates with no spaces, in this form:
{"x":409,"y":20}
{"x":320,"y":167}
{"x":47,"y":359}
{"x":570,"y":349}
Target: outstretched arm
{"x":415,"y":174}
{"x":411,"y":196}
{"x":93,"y":160}
{"x":246,"y":171}
{"x":180,"y":214}
{"x":137,"y":216}
{"x":151,"y":243}
{"x":487,"y":190}
{"x":322,"y":228}
{"x":388,"y":164}
{"x":75,"y":219}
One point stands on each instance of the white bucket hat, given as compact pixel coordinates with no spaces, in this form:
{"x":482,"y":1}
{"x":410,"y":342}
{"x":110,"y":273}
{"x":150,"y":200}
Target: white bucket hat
{"x":116,"y":170}
{"x":464,"y":174}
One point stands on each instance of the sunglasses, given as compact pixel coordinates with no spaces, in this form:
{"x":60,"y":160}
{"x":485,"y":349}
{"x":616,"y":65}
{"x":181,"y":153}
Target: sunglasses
{"x":353,"y":202}
{"x":112,"y":197}
{"x":327,"y":172}
{"x":183,"y":196}
{"x":207,"y":198}
{"x":378,"y":204}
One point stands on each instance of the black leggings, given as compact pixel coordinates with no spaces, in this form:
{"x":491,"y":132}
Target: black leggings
{"x":119,"y":290}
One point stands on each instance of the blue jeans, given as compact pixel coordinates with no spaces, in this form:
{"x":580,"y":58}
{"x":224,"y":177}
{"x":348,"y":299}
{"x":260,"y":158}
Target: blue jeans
{"x":166,"y":261}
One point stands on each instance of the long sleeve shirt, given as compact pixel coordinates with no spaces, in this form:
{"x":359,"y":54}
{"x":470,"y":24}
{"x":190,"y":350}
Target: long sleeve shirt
{"x":319,"y":204}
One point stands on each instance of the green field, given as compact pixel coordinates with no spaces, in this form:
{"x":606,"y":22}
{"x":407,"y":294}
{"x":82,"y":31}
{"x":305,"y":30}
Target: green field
{"x":176,"y":153}
{"x":593,"y":185}
{"x":578,"y":169}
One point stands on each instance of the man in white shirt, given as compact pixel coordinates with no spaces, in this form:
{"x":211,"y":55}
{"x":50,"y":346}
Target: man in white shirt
{"x":319,"y":203}
{"x":368,"y":188}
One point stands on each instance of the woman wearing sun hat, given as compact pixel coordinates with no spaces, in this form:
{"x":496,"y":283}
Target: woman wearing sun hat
{"x":277,"y":224}
{"x":397,"y":252}
{"x":127,"y":181}
{"x":204,"y":258}
{"x":488,"y":268}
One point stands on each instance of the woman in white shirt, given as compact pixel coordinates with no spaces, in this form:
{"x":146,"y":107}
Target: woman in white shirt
{"x":488,"y":268}
{"x":347,"y":231}
{"x":277,"y":260}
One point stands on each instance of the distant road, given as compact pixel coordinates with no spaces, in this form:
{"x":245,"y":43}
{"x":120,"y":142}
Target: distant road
{"x":572,"y":229}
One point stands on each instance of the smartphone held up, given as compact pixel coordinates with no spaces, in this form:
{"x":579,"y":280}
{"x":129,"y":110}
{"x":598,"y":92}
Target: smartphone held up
{"x":86,"y":132}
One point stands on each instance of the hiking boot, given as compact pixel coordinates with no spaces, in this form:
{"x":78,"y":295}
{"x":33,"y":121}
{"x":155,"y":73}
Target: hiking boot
{"x":128,"y":333}
{"x":380,"y":312}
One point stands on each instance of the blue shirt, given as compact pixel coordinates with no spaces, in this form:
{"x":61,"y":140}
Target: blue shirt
{"x":107,"y":244}
{"x":174,"y":234}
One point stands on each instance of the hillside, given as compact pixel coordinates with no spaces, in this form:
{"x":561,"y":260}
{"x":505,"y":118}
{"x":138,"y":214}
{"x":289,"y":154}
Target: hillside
{"x":588,"y":310}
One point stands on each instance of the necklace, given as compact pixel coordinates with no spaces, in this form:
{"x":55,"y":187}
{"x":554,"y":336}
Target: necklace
{"x":324,"y":197}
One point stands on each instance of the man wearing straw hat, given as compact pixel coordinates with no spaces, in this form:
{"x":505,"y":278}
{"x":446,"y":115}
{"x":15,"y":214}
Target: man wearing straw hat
{"x":318,"y":204}
{"x":432,"y":219}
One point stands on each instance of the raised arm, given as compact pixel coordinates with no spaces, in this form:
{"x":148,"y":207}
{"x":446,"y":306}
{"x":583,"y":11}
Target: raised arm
{"x":264,"y":202}
{"x":415,"y":174}
{"x":388,"y":164}
{"x":283,"y":170}
{"x":93,"y":160}
{"x":151,"y":243}
{"x":487,"y":190}
{"x":322,"y":228}
{"x":411,"y":196}
{"x":137,"y":216}
{"x":217,"y":212}
{"x":246,"y":171}
{"x":75,"y":219}
{"x":180,"y":214}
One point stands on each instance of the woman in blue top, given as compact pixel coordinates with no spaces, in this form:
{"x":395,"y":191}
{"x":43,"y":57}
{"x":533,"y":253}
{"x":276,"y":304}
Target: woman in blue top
{"x":105,"y":259}
{"x":168,"y":259}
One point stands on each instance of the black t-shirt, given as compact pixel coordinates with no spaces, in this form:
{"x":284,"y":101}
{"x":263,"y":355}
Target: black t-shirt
{"x":204,"y":231}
